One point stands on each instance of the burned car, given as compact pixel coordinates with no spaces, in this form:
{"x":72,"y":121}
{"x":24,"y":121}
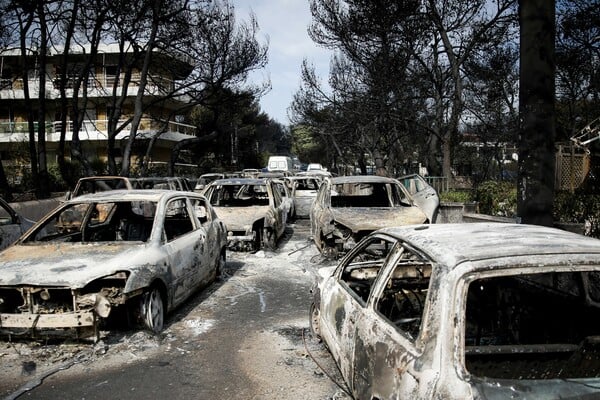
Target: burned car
{"x":348,"y":208}
{"x":93,"y":184}
{"x":304,"y":191}
{"x":465,"y":311}
{"x":252,"y":210}
{"x":423,"y":194}
{"x":101,"y":256}
{"x":286,"y":198}
{"x":12,"y":225}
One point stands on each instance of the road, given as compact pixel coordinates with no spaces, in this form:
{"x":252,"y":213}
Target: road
{"x":244,"y":337}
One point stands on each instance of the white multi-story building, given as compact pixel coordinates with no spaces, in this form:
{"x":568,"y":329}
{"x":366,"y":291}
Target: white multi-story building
{"x":160,"y":113}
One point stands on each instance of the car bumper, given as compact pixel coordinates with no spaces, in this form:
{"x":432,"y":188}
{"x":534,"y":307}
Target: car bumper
{"x":59,"y":324}
{"x":241,"y":240}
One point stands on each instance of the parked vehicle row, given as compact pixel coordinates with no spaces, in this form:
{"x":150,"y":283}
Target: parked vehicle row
{"x":107,"y":252}
{"x":412,"y":309}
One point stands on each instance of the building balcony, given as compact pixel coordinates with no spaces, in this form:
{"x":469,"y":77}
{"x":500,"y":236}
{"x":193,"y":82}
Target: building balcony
{"x":98,"y":130}
{"x":97,"y":87}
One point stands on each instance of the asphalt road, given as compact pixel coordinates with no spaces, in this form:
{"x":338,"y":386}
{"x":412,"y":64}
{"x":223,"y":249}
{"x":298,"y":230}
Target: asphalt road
{"x":244,"y":337}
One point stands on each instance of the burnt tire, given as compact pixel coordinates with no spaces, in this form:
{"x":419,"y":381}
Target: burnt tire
{"x":269,"y":239}
{"x":152,"y":310}
{"x":221,"y":261}
{"x":314,"y":322}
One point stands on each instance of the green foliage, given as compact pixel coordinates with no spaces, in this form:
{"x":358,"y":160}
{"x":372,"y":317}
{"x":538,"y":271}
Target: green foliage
{"x":57,"y":183}
{"x":497,"y":198}
{"x":578,"y":207}
{"x":308,"y":146}
{"x":456,"y":196}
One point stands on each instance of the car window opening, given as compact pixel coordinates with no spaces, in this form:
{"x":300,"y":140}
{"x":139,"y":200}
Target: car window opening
{"x":537,"y":326}
{"x":405,"y":292}
{"x":360,"y":195}
{"x":240,"y":196}
{"x":362,"y":269}
{"x":99,"y":222}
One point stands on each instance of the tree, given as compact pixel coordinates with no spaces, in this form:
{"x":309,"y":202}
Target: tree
{"x":224,"y":53}
{"x":458,"y":31}
{"x":536,"y":108}
{"x":397,"y":80}
{"x":368,"y":105}
{"x":577,"y":65}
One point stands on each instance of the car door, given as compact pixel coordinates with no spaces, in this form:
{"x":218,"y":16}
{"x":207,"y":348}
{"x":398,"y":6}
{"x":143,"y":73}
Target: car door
{"x":10,"y":226}
{"x":386,"y":353}
{"x":185,"y":243}
{"x":214,"y":234}
{"x":344,"y":298}
{"x":318,"y":209}
{"x":423,"y":195}
{"x":279,"y":211}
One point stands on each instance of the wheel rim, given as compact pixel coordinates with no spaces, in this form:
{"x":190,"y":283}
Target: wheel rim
{"x":154,"y":313}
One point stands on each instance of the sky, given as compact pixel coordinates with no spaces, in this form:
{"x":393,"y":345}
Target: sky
{"x":284,"y":24}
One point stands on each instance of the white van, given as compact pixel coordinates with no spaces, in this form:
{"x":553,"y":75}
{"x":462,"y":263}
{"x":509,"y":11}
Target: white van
{"x":280,"y":163}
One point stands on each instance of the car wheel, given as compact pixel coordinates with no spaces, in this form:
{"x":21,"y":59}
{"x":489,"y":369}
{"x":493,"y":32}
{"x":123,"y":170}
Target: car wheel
{"x":269,"y":239}
{"x":257,"y":239}
{"x":152,"y":310}
{"x":315,"y":325}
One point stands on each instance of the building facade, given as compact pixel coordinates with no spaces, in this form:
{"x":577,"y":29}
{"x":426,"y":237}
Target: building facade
{"x":162,"y":104}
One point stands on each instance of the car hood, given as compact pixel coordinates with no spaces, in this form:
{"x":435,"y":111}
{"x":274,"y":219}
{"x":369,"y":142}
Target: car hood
{"x":237,"y":218}
{"x":68,"y":264}
{"x":373,"y":218}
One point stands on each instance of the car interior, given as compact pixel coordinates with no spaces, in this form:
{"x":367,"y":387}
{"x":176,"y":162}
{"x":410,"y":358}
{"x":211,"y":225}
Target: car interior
{"x":534,"y":326}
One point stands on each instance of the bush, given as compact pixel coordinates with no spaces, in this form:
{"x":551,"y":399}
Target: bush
{"x":579,"y":208}
{"x":498,"y":198}
{"x":456,"y":196}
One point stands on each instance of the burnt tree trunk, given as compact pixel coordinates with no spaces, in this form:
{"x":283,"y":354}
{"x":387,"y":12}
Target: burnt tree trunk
{"x":535,"y":193}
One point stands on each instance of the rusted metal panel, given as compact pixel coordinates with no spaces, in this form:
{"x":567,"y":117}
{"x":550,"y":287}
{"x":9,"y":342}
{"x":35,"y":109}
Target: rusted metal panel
{"x":44,"y":321}
{"x":368,"y":219}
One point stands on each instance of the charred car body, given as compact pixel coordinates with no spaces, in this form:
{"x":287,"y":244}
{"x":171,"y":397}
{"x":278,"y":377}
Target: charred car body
{"x":252,"y":210}
{"x":125,"y":252}
{"x":348,"y":208}
{"x":465,"y":311}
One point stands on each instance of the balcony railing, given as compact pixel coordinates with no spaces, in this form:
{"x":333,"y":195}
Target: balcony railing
{"x":155,"y":84}
{"x":99,"y":127}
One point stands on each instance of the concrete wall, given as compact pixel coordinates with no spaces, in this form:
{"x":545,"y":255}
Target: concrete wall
{"x":452,"y":212}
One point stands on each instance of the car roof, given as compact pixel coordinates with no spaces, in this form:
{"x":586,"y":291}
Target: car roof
{"x":451,"y":244}
{"x":238,"y":181}
{"x":362,"y":179}
{"x":129,"y":195}
{"x":103,"y":178}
